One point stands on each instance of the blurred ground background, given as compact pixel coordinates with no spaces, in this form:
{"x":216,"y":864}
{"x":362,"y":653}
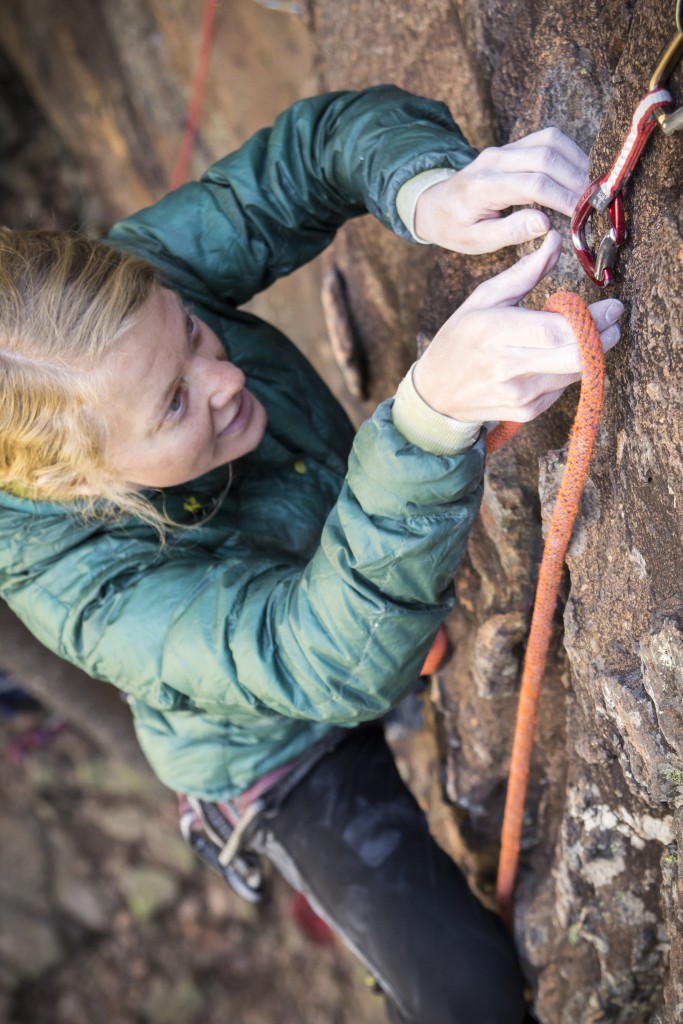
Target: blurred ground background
{"x":106,"y":915}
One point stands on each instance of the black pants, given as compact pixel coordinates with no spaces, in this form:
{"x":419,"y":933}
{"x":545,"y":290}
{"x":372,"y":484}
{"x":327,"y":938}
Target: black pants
{"x":352,"y":838}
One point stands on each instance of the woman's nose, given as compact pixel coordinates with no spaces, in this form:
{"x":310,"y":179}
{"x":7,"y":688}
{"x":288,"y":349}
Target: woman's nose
{"x":225,"y":381}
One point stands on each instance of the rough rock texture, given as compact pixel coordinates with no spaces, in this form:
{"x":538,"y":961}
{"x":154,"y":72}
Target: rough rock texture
{"x":599,"y":897}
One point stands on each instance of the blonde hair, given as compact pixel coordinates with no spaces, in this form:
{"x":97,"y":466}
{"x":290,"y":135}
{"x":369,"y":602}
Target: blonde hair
{"x":65,"y":301}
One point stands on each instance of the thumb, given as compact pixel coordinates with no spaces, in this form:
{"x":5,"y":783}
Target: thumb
{"x":510,"y":287}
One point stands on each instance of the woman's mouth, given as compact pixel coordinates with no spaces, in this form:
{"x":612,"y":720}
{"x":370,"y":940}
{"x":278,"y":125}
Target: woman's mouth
{"x":242,"y":416}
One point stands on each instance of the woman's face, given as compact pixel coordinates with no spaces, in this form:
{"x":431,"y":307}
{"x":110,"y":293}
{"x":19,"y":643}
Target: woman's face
{"x":176,"y":407}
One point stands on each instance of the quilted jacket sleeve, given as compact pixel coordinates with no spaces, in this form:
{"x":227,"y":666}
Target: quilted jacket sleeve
{"x":339,"y":639}
{"x":276,"y":202}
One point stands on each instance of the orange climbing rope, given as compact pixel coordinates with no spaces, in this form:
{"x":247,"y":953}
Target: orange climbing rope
{"x":581,"y":442}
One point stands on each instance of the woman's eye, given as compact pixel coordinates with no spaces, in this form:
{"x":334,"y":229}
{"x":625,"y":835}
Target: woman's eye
{"x":190,"y":324}
{"x":176,"y":404}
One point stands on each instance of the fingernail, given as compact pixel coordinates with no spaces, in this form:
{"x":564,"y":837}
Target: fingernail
{"x":536,"y":227}
{"x":614,"y":311}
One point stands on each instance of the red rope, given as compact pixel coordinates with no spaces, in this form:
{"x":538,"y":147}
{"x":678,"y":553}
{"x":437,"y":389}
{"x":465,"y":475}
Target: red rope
{"x":581,"y":442}
{"x":180,"y":171}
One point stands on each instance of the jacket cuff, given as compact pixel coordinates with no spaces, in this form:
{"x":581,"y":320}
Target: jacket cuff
{"x":426,"y":428}
{"x":411,"y":190}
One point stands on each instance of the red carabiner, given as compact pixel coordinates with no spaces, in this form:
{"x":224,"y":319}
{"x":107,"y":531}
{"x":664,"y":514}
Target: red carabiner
{"x":598,"y":267}
{"x":605,"y":192}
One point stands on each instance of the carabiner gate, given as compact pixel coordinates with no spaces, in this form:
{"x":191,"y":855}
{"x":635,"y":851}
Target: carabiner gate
{"x":599,"y":268}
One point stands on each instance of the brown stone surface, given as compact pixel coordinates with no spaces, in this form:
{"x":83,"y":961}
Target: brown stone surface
{"x":599,"y":895}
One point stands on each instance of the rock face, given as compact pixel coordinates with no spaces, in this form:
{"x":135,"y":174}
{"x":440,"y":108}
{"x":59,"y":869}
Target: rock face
{"x":598,"y":914}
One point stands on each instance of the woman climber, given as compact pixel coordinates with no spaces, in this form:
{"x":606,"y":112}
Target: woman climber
{"x":185,"y":512}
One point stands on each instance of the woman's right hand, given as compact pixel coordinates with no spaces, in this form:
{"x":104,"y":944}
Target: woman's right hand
{"x":493,"y":360}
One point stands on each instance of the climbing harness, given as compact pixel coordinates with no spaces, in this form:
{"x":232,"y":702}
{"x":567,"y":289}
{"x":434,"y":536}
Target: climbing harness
{"x":605,"y":192}
{"x":224,"y":833}
{"x":581,"y":441}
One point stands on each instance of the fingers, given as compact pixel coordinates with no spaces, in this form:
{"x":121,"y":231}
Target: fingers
{"x":494,"y":360}
{"x":545,"y":169}
{"x":549,"y":329}
{"x":548,"y":344}
{"x":499,"y":232}
{"x":542,"y":403}
{"x":606,"y":312}
{"x":534,"y":354}
{"x":554,"y":139}
{"x":610,"y":337}
{"x":551,"y":162}
{"x":544,"y":352}
{"x":524,"y":187}
{"x":510,"y":287}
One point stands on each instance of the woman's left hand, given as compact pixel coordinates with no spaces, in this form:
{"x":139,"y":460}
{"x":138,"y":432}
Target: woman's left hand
{"x":463,"y":213}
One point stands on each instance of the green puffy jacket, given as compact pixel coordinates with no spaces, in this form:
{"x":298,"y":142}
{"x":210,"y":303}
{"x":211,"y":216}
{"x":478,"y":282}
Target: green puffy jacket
{"x":311,"y":597}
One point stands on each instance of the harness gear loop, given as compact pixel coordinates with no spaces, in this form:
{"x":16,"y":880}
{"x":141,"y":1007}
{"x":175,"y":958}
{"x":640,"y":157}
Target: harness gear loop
{"x":604,"y":193}
{"x":581,"y":440}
